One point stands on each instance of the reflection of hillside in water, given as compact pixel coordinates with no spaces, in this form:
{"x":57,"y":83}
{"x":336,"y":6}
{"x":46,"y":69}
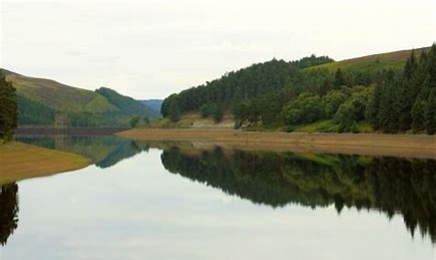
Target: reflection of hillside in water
{"x":8,"y":211}
{"x":104,"y":151}
{"x":390,"y":185}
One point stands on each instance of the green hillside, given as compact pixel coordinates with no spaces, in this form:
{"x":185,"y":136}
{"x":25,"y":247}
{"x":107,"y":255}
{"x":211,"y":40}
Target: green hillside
{"x":58,"y":96}
{"x":125,"y":104}
{"x":389,"y":60}
{"x":390,"y":92}
{"x":39,"y":100}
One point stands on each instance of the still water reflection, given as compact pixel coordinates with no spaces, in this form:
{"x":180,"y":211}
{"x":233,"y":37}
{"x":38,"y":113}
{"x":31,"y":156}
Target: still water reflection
{"x":253,"y":205}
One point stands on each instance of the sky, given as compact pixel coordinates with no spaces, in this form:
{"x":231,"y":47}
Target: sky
{"x":153,"y":48}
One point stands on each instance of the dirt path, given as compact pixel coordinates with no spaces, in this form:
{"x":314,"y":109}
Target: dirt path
{"x":414,"y":146}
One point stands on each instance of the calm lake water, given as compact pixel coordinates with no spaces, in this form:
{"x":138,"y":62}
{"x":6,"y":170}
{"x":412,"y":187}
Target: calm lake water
{"x":140,"y":202}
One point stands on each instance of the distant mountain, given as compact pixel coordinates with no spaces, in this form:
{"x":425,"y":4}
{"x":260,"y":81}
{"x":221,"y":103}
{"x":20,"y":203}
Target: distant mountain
{"x":154,"y":104}
{"x":125,"y":104}
{"x":39,"y":100}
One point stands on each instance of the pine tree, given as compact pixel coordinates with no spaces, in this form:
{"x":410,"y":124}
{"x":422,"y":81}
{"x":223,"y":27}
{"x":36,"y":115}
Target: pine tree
{"x":407,"y":95}
{"x":8,"y":109}
{"x":430,"y":113}
{"x":339,"y":78}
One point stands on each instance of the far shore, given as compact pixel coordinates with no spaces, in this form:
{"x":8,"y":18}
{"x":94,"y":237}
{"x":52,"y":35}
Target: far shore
{"x":409,"y":146}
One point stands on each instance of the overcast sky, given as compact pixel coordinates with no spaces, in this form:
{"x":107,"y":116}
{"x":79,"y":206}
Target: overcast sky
{"x":152,"y":48}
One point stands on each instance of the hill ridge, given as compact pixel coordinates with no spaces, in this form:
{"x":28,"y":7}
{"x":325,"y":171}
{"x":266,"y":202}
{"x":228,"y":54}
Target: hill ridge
{"x":41,"y":98}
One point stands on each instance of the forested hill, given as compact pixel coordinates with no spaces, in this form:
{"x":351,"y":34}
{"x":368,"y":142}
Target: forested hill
{"x":391,"y":92}
{"x":39,"y":100}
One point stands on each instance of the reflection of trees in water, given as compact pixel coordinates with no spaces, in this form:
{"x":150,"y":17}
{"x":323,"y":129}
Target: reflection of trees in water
{"x":104,"y":151}
{"x":390,"y":185}
{"x":8,"y":211}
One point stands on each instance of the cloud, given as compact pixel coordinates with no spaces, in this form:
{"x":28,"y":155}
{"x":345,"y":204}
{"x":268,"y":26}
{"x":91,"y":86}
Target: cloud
{"x":93,"y":42}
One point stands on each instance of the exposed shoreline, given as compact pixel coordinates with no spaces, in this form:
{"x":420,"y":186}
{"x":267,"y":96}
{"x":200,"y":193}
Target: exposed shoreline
{"x":410,"y":146}
{"x":19,"y":161}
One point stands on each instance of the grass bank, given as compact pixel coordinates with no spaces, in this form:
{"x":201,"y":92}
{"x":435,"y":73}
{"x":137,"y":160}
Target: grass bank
{"x":411,"y":146}
{"x":20,"y":161}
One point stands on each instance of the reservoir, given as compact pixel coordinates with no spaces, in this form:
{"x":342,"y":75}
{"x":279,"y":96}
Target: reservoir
{"x":142,"y":200}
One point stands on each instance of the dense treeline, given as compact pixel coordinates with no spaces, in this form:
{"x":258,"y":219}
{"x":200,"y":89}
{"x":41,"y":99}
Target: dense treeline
{"x":390,"y":185}
{"x":34,"y":113}
{"x":287,"y":95}
{"x":408,"y":100}
{"x":8,"y":109}
{"x":233,"y":87}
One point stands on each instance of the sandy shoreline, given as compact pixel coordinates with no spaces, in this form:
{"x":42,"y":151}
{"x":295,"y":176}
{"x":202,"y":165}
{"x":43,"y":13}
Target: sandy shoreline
{"x":20,"y":161}
{"x":412,"y":146}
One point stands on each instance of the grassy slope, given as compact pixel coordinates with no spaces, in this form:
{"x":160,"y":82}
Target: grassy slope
{"x":20,"y":161}
{"x":389,"y":60}
{"x":59,"y":96}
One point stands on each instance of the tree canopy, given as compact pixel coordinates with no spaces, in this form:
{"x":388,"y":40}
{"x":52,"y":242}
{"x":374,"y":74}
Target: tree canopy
{"x":288,"y":94}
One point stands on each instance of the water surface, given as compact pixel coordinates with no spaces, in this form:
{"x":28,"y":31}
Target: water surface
{"x":139,"y":202}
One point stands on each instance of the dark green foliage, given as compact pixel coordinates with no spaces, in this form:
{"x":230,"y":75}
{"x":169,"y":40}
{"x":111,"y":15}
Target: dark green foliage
{"x":126,"y":105}
{"x":339,"y":78}
{"x":245,"y":84}
{"x":354,"y":110}
{"x":8,"y":211}
{"x":285,"y":94}
{"x":389,"y":107}
{"x":34,"y":113}
{"x":406,"y":101}
{"x":313,"y":60}
{"x":217,"y":113}
{"x":212,"y":109}
{"x":8,"y":109}
{"x":333,"y":100}
{"x":307,"y":108}
{"x":134,"y":121}
{"x":247,"y":112}
{"x":170,"y":108}
{"x":205,"y":110}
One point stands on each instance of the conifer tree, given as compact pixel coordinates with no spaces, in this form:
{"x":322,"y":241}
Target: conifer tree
{"x":8,"y":109}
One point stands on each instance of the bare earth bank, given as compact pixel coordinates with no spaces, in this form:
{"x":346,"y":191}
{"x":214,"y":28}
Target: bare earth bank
{"x":413,"y":146}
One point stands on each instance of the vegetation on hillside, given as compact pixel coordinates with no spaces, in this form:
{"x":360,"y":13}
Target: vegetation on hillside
{"x":126,"y":105}
{"x":8,"y":109}
{"x":39,"y":100}
{"x":386,"y":92}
